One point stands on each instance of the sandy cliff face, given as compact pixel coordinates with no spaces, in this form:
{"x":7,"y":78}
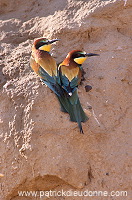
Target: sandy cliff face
{"x":40,"y":148}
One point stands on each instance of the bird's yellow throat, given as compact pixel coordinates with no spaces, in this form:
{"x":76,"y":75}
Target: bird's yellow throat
{"x":45,"y":47}
{"x":80,"y":60}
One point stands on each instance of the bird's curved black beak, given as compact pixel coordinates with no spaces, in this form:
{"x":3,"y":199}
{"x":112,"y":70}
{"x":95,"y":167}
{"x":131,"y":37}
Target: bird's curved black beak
{"x":91,"y":54}
{"x":52,"y":41}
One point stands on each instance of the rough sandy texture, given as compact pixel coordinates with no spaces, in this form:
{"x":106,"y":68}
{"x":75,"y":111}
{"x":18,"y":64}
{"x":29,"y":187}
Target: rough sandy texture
{"x":40,"y":148}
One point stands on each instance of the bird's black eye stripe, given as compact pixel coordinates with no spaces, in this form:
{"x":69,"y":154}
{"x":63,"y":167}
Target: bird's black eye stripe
{"x":39,"y":44}
{"x":77,"y":55}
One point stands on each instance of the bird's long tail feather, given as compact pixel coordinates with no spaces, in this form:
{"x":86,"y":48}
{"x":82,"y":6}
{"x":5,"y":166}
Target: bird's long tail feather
{"x":63,"y":103}
{"x":54,"y":87}
{"x":76,"y":111}
{"x":77,"y":115}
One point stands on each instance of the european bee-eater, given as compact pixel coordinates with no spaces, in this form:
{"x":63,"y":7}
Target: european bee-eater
{"x":70,"y":73}
{"x":44,"y":64}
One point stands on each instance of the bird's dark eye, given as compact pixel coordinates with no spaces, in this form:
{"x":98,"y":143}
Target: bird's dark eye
{"x":39,"y":44}
{"x":77,"y":55}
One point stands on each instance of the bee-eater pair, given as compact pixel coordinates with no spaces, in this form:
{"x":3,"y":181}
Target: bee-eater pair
{"x":64,"y":79}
